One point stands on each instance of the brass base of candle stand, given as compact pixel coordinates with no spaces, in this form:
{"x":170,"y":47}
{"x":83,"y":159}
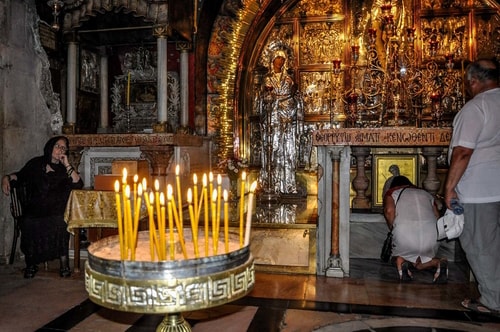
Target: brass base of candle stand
{"x":169,"y":286}
{"x":174,"y":322}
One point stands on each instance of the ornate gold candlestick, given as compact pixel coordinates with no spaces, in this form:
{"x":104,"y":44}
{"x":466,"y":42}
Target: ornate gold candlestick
{"x":170,"y":286}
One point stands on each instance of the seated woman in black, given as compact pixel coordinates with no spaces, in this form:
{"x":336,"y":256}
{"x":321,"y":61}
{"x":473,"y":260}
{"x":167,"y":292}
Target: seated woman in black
{"x":49,"y":180}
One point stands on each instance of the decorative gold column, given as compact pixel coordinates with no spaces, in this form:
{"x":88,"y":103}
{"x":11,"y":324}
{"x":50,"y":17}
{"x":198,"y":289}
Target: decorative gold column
{"x":431,"y":182}
{"x":360,"y":182}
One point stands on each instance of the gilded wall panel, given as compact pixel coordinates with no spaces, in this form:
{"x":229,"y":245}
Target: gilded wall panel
{"x":320,"y":42}
{"x":316,"y":92}
{"x":442,"y":35}
{"x":488,"y":36}
{"x":307,"y":8}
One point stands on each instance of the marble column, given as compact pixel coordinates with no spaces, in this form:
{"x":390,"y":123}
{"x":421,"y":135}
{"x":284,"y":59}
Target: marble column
{"x":360,"y":182}
{"x":162,"y":85}
{"x":334,"y":262}
{"x":69,"y":127}
{"x":184,"y":81}
{"x":431,"y":182}
{"x":334,"y":211}
{"x":104,"y":123}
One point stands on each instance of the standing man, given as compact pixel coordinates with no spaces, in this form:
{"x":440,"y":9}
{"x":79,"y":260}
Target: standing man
{"x":474,"y":178}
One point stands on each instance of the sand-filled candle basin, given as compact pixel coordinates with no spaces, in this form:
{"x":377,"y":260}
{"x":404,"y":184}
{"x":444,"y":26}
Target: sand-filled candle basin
{"x":170,"y":286}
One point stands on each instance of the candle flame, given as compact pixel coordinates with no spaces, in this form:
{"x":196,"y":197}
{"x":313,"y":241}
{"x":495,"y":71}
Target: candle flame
{"x":177,"y":170}
{"x":136,"y":178}
{"x":139,"y":189}
{"x":127,"y":191}
{"x":211,"y":177}
{"x":117,"y":186}
{"x":219,"y":179}
{"x":253,"y":186}
{"x":195,"y":179}
{"x":144,"y":183}
{"x":170,"y":192}
{"x":204,"y":180}
{"x":124,"y":179}
{"x":189,"y":196}
{"x":214,"y":195}
{"x":243,"y":175}
{"x":162,"y":198}
{"x":151,"y":198}
{"x":225,"y":194}
{"x":157,"y":185}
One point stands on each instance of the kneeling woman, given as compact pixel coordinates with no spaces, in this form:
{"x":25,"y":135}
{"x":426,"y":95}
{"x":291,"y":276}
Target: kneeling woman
{"x":412,"y":214}
{"x":49,"y":180}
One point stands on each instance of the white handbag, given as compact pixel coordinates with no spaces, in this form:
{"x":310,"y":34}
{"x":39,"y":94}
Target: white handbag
{"x":450,"y":225}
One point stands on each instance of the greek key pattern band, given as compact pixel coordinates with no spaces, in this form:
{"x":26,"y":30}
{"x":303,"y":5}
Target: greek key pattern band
{"x":173,"y":295}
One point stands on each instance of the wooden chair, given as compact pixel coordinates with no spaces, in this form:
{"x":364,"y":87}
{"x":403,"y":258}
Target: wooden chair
{"x":18,"y":196}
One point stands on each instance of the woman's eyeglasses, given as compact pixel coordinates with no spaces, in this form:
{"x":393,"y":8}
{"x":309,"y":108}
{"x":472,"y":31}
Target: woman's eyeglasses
{"x":61,"y":147}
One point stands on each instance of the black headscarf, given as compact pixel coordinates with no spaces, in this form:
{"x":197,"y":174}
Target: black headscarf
{"x":49,"y":147}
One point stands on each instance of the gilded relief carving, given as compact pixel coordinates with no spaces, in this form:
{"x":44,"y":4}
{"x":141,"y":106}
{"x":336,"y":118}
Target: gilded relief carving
{"x":442,"y":35}
{"x":317,"y":92}
{"x":488,"y":36}
{"x":319,"y":7}
{"x":331,"y":45}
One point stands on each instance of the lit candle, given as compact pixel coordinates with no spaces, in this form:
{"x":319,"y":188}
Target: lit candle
{"x":249,"y":213}
{"x":128,"y":222}
{"x":214,"y":221}
{"x":219,"y":197}
{"x":205,"y":200}
{"x":157,"y":200}
{"x":138,"y":203}
{"x":195,"y":196}
{"x":137,"y":210}
{"x":128,"y":90}
{"x":179,"y":198}
{"x":170,"y":220}
{"x":161,"y":227}
{"x":136,"y":178}
{"x":171,"y":198}
{"x":210,"y":184}
{"x":226,"y":221}
{"x":176,"y":219}
{"x":242,"y":204}
{"x":124,"y":179}
{"x":152,"y":229}
{"x":194,"y":226}
{"x":119,"y":219}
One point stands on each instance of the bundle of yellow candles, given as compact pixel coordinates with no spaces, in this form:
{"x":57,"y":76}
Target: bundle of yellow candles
{"x":165,"y":216}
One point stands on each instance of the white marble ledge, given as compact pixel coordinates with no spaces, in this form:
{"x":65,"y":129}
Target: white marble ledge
{"x":367,"y":217}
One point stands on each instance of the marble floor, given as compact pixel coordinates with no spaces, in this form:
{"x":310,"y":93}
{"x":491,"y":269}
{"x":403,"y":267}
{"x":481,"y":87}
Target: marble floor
{"x":371,"y":299}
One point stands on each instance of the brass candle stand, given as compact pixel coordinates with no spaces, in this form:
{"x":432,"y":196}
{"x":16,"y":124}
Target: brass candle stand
{"x":171,"y":286}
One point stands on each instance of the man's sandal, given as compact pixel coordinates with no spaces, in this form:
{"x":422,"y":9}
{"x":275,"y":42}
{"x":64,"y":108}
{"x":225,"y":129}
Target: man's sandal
{"x":476,"y":306}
